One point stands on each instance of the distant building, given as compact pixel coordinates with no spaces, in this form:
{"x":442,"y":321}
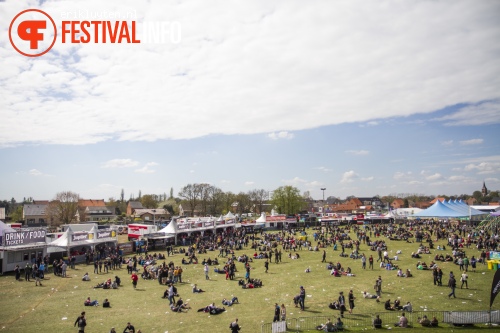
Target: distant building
{"x":484,"y":190}
{"x":132,"y":206}
{"x":35,"y":215}
{"x":2,"y":213}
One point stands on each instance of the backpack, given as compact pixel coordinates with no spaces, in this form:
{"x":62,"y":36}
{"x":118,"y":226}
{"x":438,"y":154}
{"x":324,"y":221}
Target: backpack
{"x":82,"y":322}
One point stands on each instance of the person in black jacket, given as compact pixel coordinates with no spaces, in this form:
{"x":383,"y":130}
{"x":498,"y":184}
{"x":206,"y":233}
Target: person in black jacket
{"x":452,"y":283}
{"x":81,"y":322}
{"x":129,"y":329}
{"x":234,"y":326}
{"x":277,"y":312}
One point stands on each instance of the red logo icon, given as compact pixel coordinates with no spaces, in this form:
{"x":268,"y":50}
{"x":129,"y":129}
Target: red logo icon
{"x":29,"y":35}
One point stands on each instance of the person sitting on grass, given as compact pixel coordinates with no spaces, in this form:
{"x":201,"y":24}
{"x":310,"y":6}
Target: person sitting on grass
{"x":387,"y":305}
{"x":86,"y":277}
{"x":88,"y":302}
{"x":327,"y":327}
{"x":230,"y":302}
{"x":197,"y":290}
{"x":181,"y":305}
{"x":106,"y":304}
{"x":377,"y":322}
{"x":424,"y":321}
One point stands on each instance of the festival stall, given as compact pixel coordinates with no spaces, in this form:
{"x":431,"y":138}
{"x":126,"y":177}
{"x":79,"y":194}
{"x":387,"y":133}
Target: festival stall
{"x":20,"y":246}
{"x":180,"y":229}
{"x":78,"y":239}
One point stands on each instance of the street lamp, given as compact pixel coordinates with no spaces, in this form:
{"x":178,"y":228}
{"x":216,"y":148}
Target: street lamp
{"x":323,"y":189}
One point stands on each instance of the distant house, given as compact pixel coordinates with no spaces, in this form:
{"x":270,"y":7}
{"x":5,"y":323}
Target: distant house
{"x":98,"y":213}
{"x":151,"y":215}
{"x":132,"y":206}
{"x":91,"y":203}
{"x":397,"y":203}
{"x":35,"y":215}
{"x":185,"y":210}
{"x":353,"y":205}
{"x":433,"y":201}
{"x":422,"y":204}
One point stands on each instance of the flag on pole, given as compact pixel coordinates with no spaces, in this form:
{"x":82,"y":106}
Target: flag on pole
{"x":495,"y":287}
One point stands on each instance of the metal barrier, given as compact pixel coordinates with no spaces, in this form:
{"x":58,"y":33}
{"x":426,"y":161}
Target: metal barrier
{"x":389,"y":319}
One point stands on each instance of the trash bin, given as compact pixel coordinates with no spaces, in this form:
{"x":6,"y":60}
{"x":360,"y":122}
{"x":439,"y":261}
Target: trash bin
{"x":495,"y":266}
{"x":490,"y":264}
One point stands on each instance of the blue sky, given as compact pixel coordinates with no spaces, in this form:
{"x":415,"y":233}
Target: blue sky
{"x":352,"y":96}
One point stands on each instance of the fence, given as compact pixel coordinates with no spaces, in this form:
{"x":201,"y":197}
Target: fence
{"x":389,"y":319}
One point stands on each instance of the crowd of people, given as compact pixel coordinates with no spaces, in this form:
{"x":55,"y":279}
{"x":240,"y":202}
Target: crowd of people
{"x":269,"y":247}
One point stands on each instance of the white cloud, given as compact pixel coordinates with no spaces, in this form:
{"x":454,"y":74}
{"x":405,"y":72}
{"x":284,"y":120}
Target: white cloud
{"x":224,"y":181}
{"x":414,"y":182}
{"x":484,"y":167}
{"x":101,"y":87}
{"x":402,"y":175}
{"x":358,"y":152}
{"x":281,"y":135}
{"x":433,"y":177}
{"x":471,"y":142}
{"x":296,"y":181}
{"x":147,"y":168}
{"x":447,"y":143}
{"x":368,"y":179}
{"x":35,"y":172}
{"x":249,"y":183}
{"x":478,"y":114}
{"x":119,"y":163}
{"x":314,"y":184}
{"x":349,"y":176}
{"x":324,"y":169}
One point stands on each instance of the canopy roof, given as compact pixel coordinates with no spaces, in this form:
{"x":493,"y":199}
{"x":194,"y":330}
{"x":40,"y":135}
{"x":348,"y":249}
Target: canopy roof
{"x":448,"y":209}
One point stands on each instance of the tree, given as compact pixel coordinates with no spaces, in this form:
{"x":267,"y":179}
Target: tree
{"x":228,"y":198}
{"x":191,"y":193}
{"x":122,"y":195}
{"x":149,"y":201}
{"x":243,"y":203}
{"x":287,"y":200}
{"x":171,"y":193}
{"x":258,"y":198}
{"x":17,"y":214}
{"x":62,"y":209}
{"x":140,"y":195}
{"x":406,"y":203}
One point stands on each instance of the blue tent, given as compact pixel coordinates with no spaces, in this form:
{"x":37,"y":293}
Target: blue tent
{"x":439,"y":209}
{"x":463,"y":208}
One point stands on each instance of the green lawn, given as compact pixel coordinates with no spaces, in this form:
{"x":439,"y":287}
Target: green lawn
{"x":55,"y":306}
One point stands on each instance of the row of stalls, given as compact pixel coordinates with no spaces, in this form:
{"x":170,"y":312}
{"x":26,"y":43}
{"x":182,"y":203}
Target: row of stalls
{"x":20,"y":246}
{"x":181,"y":229}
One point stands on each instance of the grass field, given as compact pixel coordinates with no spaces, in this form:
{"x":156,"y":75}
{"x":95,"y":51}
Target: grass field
{"x":55,"y":306}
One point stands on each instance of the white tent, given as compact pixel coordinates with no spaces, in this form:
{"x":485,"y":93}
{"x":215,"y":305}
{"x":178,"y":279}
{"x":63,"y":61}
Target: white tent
{"x":229,"y":216}
{"x":261,"y":219}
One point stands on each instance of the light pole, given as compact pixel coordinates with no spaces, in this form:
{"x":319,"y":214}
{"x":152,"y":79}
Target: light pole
{"x":323,"y":189}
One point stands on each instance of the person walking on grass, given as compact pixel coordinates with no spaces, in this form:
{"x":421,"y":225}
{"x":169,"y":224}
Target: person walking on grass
{"x":452,"y":284}
{"x":302,"y":298}
{"x":206,"y":269}
{"x":81,"y":322}
{"x":341,"y":301}
{"x":134,"y":278}
{"x":351,"y":301}
{"x":463,"y":279}
{"x":266,"y":265}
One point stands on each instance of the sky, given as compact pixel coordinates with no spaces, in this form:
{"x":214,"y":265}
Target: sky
{"x":362,"y":98}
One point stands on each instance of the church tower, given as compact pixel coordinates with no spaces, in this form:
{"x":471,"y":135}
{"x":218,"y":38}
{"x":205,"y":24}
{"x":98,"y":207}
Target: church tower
{"x":484,"y":190}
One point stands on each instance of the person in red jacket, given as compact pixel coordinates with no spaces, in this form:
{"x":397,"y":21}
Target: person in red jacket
{"x":134,"y":278}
